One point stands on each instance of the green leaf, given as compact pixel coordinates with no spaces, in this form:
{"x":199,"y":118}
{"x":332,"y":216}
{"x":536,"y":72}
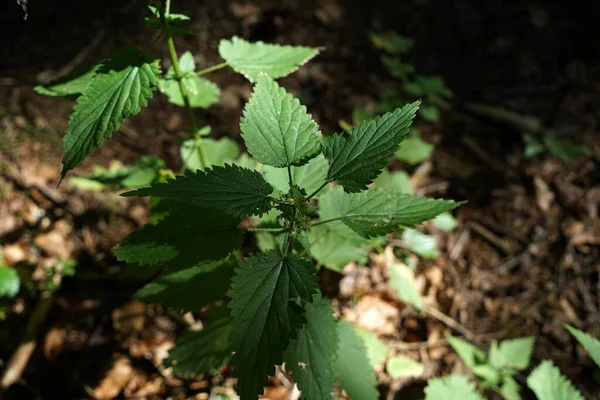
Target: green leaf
{"x":414,"y":150}
{"x":422,"y":244}
{"x":309,"y":176}
{"x":379,"y":211}
{"x":392,"y":42}
{"x":202,"y":351}
{"x":121,"y":87}
{"x":402,"y":280}
{"x":202,"y":93}
{"x":265,"y":314}
{"x":186,"y":237}
{"x":430,"y":113}
{"x":235,"y":190}
{"x":217,"y":152}
{"x":397,"y":68}
{"x":469,"y":354}
{"x":404,"y":367}
{"x":547,"y":383}
{"x":516,"y":353}
{"x":352,"y":367}
{"x":510,"y":388}
{"x":565,"y":149}
{"x":310,"y":356}
{"x":397,"y":180}
{"x":9,"y":282}
{"x":453,"y":387}
{"x":276,"y":127}
{"x":445,"y":222}
{"x":533,"y":146}
{"x":250,"y":59}
{"x":72,"y":85}
{"x":142,"y":173}
{"x":589,"y":343}
{"x":192,"y":288}
{"x":376,"y":350}
{"x":357,"y":160}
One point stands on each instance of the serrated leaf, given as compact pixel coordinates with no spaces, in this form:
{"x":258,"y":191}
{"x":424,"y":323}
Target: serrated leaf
{"x":421,"y":243}
{"x":516,"y":353}
{"x":202,"y":93}
{"x":186,"y":237}
{"x":141,"y":173}
{"x":392,"y":42}
{"x":192,"y":288}
{"x":379,"y":211}
{"x":121,"y":87}
{"x":404,"y":367}
{"x":414,"y":150}
{"x":376,"y":349}
{"x":357,"y":160}
{"x":397,"y":180}
{"x":72,"y":85}
{"x":202,"y":351}
{"x":510,"y":388}
{"x":589,"y":343}
{"x":453,"y":387}
{"x":250,"y":59}
{"x":402,"y":280}
{"x":310,"y":356}
{"x":217,"y":152}
{"x":235,"y":190}
{"x":352,"y":367}
{"x":265,"y":314}
{"x":469,"y":354}
{"x":276,"y":127}
{"x":309,"y":176}
{"x":9,"y":282}
{"x":547,"y":383}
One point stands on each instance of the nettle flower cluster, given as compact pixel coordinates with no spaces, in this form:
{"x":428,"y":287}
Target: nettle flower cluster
{"x":299,"y":186}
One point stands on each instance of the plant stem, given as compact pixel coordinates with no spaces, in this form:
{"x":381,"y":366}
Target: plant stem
{"x":290,"y":175}
{"x":182,"y":88}
{"x":213,"y":68}
{"x":325,"y":221}
{"x":316,"y":191}
{"x":265,"y":229}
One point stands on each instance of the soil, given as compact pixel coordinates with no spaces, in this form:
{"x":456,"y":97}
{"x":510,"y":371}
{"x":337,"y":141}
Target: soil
{"x":524,"y":260}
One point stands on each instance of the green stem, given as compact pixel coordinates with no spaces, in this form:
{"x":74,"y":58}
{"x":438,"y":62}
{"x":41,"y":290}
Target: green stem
{"x":283,"y":203}
{"x":325,"y":221}
{"x":182,"y":88}
{"x":265,"y":229}
{"x":316,"y":191}
{"x":289,"y":168}
{"x":213,"y":68}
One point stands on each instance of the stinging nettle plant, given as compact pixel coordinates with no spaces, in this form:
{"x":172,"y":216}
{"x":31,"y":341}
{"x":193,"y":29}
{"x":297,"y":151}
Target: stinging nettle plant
{"x":299,"y":187}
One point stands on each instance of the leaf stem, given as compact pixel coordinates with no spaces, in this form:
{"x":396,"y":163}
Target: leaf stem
{"x":258,"y":229}
{"x":184,"y":93}
{"x":289,"y":168}
{"x":213,"y":68}
{"x":317,"y":191}
{"x":325,"y":221}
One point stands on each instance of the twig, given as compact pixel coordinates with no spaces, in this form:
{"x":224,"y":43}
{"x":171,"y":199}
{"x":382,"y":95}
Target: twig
{"x":487,"y":234}
{"x":402,"y":346}
{"x":18,"y":361}
{"x":213,"y":68}
{"x":450,"y":322}
{"x":483,"y":155}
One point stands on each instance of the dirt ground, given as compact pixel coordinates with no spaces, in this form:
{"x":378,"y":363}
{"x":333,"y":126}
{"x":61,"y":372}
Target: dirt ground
{"x":525,"y":259}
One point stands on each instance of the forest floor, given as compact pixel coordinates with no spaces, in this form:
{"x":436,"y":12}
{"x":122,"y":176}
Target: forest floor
{"x":524,"y":259}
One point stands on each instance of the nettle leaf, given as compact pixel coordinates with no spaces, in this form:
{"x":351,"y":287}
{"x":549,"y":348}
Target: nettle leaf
{"x":358,"y":159}
{"x":547,"y":383}
{"x":217,"y":152}
{"x":421,"y":243}
{"x":414,"y":150}
{"x":352,"y":367}
{"x":453,"y":387}
{"x":404,"y":367}
{"x":396,"y":180}
{"x":471,"y":355}
{"x":309,"y":176}
{"x":121,"y":87}
{"x":192,"y":288}
{"x":186,"y":237}
{"x":379,"y":211}
{"x":510,"y":388}
{"x":589,"y":343}
{"x":202,"y":351}
{"x":9,"y":282}
{"x":235,"y":190}
{"x":250,"y":59}
{"x":276,"y":127}
{"x":310,"y":356}
{"x":265,"y":312}
{"x":445,"y":222}
{"x":515,"y":353}
{"x":72,"y":85}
